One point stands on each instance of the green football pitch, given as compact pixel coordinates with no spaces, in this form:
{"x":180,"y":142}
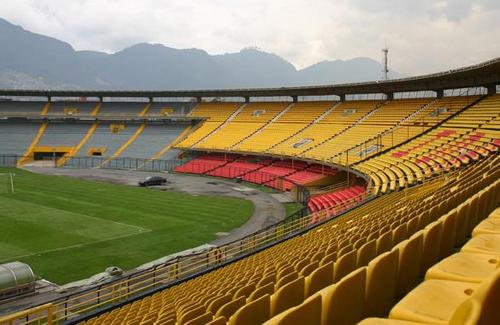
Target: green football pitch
{"x":68,"y":229}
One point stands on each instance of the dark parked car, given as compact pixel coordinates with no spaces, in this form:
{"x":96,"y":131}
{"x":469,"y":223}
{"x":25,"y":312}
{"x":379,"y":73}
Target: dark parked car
{"x":153,"y":180}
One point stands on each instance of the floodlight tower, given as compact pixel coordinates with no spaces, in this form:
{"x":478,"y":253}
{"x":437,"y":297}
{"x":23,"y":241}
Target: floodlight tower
{"x":386,"y":68}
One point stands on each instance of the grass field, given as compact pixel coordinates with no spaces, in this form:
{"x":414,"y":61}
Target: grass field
{"x":68,"y":228}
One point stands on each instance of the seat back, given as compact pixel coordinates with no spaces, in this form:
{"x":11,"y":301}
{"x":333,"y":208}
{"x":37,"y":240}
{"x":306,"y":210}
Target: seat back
{"x":255,"y":312}
{"x":344,"y":302}
{"x":409,"y":264}
{"x":290,"y":295}
{"x":381,"y":275}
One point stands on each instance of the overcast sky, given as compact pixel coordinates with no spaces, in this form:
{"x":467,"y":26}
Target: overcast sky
{"x":422,"y":35}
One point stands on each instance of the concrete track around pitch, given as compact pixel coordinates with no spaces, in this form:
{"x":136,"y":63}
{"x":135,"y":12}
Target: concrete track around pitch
{"x":267,"y":210}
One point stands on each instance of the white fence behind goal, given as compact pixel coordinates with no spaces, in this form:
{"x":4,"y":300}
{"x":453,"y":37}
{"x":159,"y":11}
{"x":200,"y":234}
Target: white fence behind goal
{"x":7,"y":183}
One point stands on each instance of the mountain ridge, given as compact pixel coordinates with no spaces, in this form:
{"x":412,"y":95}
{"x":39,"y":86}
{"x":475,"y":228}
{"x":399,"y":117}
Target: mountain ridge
{"x":31,"y":60}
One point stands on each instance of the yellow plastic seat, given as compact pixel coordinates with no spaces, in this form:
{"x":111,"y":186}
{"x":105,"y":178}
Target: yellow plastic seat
{"x":286,"y":279}
{"x":217,"y":321}
{"x":290,"y":295}
{"x":488,"y":244}
{"x":433,"y":301}
{"x":261,"y":291}
{"x":381,"y":275}
{"x":448,"y":234}
{"x":200,"y":320}
{"x":366,"y":253}
{"x":384,"y":242}
{"x":489,"y":226}
{"x":318,"y":279}
{"x":344,"y":265}
{"x":244,"y":291}
{"x":432,"y":240}
{"x":218,"y":302}
{"x":399,"y":234}
{"x":309,"y":312}
{"x":344,"y":302}
{"x":409,"y":263}
{"x":191,"y":314}
{"x":231,"y":307}
{"x":465,"y":267}
{"x":254,"y":312}
{"x":387,"y":321}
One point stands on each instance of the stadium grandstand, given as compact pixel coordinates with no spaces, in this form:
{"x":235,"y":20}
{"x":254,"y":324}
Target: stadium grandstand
{"x":400,"y":182}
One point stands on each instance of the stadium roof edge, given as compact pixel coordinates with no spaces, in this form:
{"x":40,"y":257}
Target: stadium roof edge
{"x":483,"y":74}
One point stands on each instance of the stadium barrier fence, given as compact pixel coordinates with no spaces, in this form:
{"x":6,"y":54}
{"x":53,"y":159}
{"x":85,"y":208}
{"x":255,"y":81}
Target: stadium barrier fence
{"x":86,"y":303}
{"x":179,"y":269}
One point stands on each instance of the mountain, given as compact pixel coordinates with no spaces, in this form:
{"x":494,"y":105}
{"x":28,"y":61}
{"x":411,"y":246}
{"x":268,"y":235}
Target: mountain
{"x":29,"y":60}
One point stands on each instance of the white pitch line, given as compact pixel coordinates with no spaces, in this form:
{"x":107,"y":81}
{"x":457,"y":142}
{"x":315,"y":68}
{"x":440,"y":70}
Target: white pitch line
{"x":80,"y":245}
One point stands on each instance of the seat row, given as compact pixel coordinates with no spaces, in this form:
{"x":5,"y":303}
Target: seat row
{"x":283,"y":276}
{"x":463,"y":288}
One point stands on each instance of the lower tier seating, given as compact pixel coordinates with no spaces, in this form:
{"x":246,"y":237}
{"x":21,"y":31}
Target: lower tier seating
{"x":278,"y":174}
{"x":337,"y":198}
{"x":306,"y":279}
{"x":463,"y":288}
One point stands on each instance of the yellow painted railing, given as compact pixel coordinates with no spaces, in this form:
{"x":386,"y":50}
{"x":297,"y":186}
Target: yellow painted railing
{"x":80,"y":145}
{"x":38,"y":315}
{"x":124,"y":146}
{"x":29,"y":152}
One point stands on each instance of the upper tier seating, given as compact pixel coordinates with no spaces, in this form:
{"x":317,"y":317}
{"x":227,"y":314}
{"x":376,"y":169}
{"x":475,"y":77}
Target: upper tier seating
{"x":343,"y":116}
{"x":21,"y":107}
{"x":216,"y":114}
{"x":121,"y":109}
{"x":252,"y":117}
{"x":318,"y":269}
{"x":299,"y":116}
{"x":72,"y":108}
{"x":464,"y":138}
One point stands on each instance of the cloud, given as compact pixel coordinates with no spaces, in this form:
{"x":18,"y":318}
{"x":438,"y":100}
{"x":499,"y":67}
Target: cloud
{"x":423,"y":36}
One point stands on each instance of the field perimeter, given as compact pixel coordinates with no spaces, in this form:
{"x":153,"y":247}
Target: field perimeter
{"x":68,"y":229}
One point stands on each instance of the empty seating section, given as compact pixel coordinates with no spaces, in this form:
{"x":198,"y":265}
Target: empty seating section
{"x":170,"y":108}
{"x":204,"y":163}
{"x":372,"y":255}
{"x":339,"y":198}
{"x":216,"y":114}
{"x":15,"y":138}
{"x":20,"y":107}
{"x":251,"y":118}
{"x":279,"y":174}
{"x":110,"y":141}
{"x":464,"y":287}
{"x":464,"y":138}
{"x":299,"y":116}
{"x":130,"y":109}
{"x":151,"y":140}
{"x":343,"y":116}
{"x":72,"y":108}
{"x":63,"y":134}
{"x":384,"y":118}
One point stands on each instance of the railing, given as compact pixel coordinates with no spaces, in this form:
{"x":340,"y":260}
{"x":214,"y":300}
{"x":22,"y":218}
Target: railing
{"x":38,"y":315}
{"x":138,"y":164}
{"x":79,"y":306}
{"x":178,"y":269}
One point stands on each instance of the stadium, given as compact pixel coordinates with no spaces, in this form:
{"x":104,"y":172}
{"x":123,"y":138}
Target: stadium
{"x":392,"y":192}
{"x":249,"y":162}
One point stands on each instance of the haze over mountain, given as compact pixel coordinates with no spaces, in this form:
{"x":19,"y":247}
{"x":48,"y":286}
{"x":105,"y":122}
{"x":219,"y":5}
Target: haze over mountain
{"x":29,"y":60}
